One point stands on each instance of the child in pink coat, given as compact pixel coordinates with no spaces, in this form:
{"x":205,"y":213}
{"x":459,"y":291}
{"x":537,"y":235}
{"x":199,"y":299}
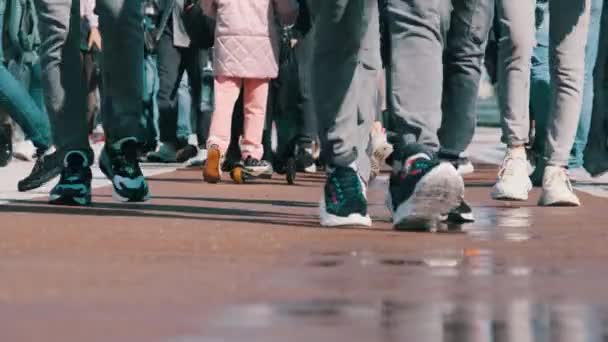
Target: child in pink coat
{"x":246,"y":55}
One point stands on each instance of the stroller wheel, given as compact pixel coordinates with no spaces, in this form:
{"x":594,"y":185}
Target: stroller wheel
{"x":290,"y":171}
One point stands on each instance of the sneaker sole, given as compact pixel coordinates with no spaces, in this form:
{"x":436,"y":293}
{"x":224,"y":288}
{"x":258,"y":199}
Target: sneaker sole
{"x":353,"y":220}
{"x":118,"y":198}
{"x":436,"y":194}
{"x":510,"y":196}
{"x":69,"y":200}
{"x":211,"y":171}
{"x":543,"y":202}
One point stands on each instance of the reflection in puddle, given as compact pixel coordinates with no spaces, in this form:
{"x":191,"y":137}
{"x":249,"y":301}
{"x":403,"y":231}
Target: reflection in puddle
{"x":440,"y":262}
{"x":498,"y":224}
{"x":519,"y":320}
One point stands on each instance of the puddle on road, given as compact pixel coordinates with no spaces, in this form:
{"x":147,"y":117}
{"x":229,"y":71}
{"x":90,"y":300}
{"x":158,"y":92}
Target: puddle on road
{"x":439,"y":262}
{"x":506,"y":224}
{"x":518,"y":320}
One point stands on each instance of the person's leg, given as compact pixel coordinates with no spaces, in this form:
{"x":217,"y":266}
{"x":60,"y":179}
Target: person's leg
{"x":59,"y":25}
{"x":421,"y":189}
{"x":591,"y":53}
{"x":339,"y":30}
{"x":307,"y":125}
{"x":568,"y":37}
{"x":150,"y":101}
{"x":89,"y":79}
{"x":596,"y":151}
{"x":515,"y":46}
{"x":540,"y":91}
{"x":367,"y":109}
{"x":416,"y":72}
{"x":170,"y":70}
{"x":194,"y":68}
{"x":337,"y":69}
{"x":15,"y":100}
{"x":467,"y":37}
{"x":255,"y":99}
{"x":2,"y":11}
{"x":226,"y":90}
{"x":184,"y":110}
{"x":120,"y":23}
{"x":567,"y":40}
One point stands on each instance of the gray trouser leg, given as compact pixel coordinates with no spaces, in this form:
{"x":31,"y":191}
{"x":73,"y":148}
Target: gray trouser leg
{"x":123,"y":57}
{"x":416,"y":73}
{"x":567,"y":40}
{"x":465,"y":45}
{"x":339,"y":75}
{"x":515,"y":47}
{"x":59,"y":25}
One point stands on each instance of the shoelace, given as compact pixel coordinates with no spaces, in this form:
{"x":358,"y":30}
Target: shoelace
{"x":507,"y":168}
{"x":561,"y":177}
{"x":345,"y":184}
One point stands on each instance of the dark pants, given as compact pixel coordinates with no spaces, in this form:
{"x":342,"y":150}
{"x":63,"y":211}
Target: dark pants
{"x":122,"y":34}
{"x":306,"y":119}
{"x":92,"y":80}
{"x":172,"y":63}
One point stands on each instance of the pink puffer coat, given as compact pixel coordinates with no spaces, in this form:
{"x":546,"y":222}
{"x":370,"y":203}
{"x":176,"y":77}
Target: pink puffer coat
{"x":247,"y":35}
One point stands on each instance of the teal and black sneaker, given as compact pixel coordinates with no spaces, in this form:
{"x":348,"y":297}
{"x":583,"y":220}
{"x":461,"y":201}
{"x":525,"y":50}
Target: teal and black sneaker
{"x":74,"y":187}
{"x":120,"y":163}
{"x":345,"y":201}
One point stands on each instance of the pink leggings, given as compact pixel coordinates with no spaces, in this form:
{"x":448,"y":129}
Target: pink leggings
{"x":255,"y":99}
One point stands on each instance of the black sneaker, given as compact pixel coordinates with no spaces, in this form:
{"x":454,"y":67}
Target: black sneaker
{"x":461,"y":214}
{"x":120,"y":164}
{"x":344,"y":202}
{"x":6,"y":144}
{"x":186,"y":153}
{"x":47,"y":167}
{"x":74,"y":187}
{"x":422,"y":191}
{"x":258,"y":168}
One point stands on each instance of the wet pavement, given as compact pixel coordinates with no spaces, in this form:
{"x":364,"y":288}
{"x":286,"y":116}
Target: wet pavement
{"x":249,"y":263}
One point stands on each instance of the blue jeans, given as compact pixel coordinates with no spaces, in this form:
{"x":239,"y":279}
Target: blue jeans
{"x":591,"y":52}
{"x":184,"y":109}
{"x":150,"y":102}
{"x":15,"y":100}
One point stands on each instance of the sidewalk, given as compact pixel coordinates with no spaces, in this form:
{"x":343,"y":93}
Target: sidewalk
{"x":248,"y":263}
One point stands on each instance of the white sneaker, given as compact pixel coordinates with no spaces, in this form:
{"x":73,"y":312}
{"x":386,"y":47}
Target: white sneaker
{"x":24,"y":150}
{"x":514,"y":182}
{"x":165,"y":153}
{"x":199,"y":160}
{"x":557,"y":190}
{"x":311,"y":169}
{"x":580,"y":175}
